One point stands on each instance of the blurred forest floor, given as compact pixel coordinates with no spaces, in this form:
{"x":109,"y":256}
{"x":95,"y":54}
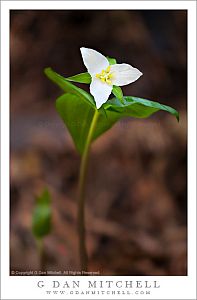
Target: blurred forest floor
{"x":136,"y":213}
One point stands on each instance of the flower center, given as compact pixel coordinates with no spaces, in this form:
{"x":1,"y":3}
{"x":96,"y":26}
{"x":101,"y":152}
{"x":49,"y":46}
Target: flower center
{"x":105,"y":76}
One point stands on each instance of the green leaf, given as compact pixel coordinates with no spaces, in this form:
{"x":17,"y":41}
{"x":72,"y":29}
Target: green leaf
{"x":80,"y":78}
{"x":112,"y":61}
{"x":77,"y":114}
{"x":76,"y":108}
{"x":137,"y":107}
{"x":117,"y":91}
{"x":68,"y":87}
{"x":42,"y":215}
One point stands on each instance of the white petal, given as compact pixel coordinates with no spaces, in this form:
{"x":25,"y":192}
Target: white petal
{"x":100,"y":90}
{"x":124,"y":74}
{"x":94,"y":61}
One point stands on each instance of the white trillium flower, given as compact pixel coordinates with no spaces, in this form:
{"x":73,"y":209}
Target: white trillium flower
{"x":104,"y":75}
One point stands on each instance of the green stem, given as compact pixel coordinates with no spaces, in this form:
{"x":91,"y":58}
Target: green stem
{"x":81,"y":199}
{"x":40,"y":246}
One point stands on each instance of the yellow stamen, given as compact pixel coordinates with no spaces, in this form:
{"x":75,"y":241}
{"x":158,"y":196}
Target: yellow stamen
{"x":108,"y":69}
{"x":105,"y":75}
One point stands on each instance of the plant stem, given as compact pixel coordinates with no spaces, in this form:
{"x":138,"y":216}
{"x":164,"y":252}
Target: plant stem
{"x":41,"y":254}
{"x":81,"y":199}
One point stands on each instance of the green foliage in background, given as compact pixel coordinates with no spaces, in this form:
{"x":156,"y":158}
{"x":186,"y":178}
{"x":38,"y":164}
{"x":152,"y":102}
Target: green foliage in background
{"x":42,"y":215}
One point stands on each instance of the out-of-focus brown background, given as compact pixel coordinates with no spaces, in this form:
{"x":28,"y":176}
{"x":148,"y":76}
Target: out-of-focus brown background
{"x":136,"y":193}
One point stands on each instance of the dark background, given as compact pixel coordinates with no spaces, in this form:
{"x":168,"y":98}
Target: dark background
{"x":136,"y":193}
